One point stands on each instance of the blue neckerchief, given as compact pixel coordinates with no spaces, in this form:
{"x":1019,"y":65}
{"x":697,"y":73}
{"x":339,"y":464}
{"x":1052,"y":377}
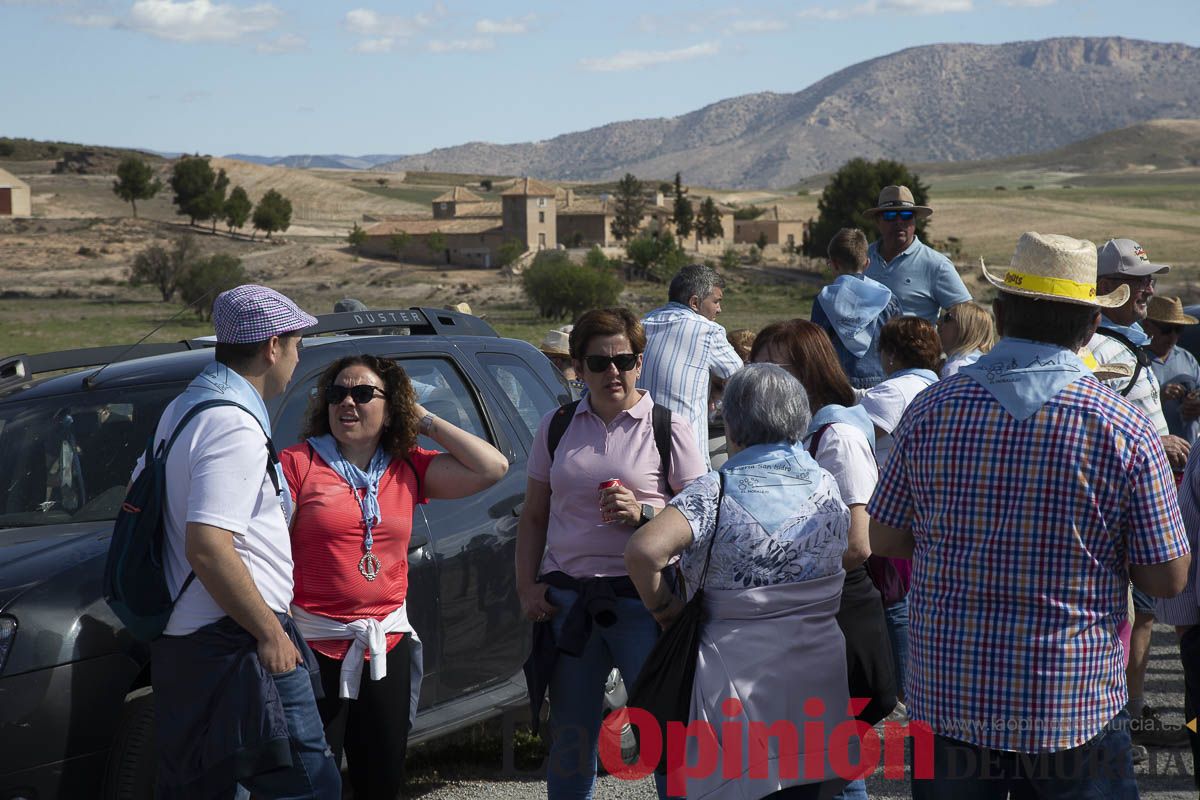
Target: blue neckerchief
{"x":769,"y":481}
{"x":1024,"y":375}
{"x":217,"y":381}
{"x":929,"y":375}
{"x":852,"y":303}
{"x":327,"y":448}
{"x":1133,"y":333}
{"x":854,"y":415}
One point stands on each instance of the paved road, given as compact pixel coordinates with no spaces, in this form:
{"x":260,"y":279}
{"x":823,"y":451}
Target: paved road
{"x":1166,"y":776}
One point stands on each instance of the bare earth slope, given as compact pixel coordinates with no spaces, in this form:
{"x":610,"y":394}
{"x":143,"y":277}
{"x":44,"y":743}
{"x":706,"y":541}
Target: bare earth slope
{"x":955,"y":102}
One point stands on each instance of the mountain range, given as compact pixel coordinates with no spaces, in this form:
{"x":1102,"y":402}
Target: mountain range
{"x":318,"y":161}
{"x":946,"y":102}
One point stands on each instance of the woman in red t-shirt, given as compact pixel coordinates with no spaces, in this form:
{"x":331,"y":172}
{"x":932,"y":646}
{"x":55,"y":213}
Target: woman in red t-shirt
{"x":354,"y":482}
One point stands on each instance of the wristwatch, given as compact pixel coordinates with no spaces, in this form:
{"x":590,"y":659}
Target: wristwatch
{"x":647,"y":514}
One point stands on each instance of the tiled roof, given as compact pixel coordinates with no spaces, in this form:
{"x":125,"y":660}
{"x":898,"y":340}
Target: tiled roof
{"x":424,"y":227}
{"x":529,"y":187}
{"x":474,"y":210}
{"x":787,"y":215}
{"x":459,"y":194}
{"x":584,"y":205}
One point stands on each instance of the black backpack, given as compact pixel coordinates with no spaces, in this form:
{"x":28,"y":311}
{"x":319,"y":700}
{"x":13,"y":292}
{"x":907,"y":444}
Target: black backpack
{"x":660,"y":418}
{"x":135,"y":581}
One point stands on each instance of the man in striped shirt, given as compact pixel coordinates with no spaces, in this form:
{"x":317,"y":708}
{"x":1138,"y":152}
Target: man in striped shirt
{"x":1028,"y":495}
{"x":685,"y":347}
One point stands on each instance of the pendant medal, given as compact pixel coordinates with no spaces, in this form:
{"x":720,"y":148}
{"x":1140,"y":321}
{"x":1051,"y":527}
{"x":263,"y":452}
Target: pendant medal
{"x":370,"y":566}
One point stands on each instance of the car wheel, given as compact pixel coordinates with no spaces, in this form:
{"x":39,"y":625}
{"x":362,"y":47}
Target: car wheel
{"x":131,"y":762}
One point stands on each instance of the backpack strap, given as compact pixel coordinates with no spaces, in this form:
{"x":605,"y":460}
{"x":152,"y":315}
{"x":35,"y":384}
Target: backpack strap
{"x":1139,"y":353}
{"x":814,"y":443}
{"x":558,"y":426}
{"x":660,"y":418}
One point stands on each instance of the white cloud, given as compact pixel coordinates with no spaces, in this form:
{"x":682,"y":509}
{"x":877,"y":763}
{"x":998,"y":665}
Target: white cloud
{"x":1026,"y":3}
{"x":284,"y":43}
{"x":758,"y":26}
{"x":383,"y":45}
{"x":365,"y":22}
{"x":640,"y":59}
{"x":199,"y":20}
{"x":194,"y":96}
{"x":871,"y":7}
{"x":502,"y":27}
{"x":460,"y":45}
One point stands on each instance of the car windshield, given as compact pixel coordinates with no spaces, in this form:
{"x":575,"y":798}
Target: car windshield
{"x":69,"y":458}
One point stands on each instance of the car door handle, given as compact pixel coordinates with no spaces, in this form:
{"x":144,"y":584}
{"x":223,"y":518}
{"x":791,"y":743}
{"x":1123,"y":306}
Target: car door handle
{"x":417,"y":541}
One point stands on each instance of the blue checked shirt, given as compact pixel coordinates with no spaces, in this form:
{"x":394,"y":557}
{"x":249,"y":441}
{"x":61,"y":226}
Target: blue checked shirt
{"x":1023,"y":532}
{"x":683,"y":349}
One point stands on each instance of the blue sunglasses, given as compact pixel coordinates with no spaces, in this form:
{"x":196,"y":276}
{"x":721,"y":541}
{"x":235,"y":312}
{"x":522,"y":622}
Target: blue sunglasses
{"x":892,"y":216}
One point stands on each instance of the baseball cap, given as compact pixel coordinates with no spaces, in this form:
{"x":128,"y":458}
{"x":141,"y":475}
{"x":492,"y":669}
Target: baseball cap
{"x":252,"y":313}
{"x":1125,"y":257}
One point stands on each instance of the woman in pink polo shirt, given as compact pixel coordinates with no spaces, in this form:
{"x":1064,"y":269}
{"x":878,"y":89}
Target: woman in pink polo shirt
{"x":571,"y":540}
{"x":355,"y":481}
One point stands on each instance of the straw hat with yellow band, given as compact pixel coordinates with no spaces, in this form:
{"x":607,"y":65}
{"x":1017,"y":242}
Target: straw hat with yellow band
{"x":1103,"y":372}
{"x":1047,"y":266}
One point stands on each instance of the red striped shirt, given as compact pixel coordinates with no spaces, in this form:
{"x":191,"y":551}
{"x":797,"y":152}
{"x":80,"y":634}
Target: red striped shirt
{"x":327,"y":540}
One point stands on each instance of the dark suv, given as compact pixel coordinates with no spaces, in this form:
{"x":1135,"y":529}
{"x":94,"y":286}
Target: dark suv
{"x":76,"y":714}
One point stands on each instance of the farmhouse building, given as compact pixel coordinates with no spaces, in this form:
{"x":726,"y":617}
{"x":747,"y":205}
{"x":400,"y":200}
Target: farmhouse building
{"x":468,"y":230}
{"x":14,"y":196}
{"x":781,"y":227}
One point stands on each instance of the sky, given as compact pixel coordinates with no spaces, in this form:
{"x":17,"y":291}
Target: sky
{"x":273,"y":77}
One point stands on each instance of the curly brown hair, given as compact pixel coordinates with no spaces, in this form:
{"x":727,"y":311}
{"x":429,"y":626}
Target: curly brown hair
{"x":399,"y":434}
{"x":912,"y":341}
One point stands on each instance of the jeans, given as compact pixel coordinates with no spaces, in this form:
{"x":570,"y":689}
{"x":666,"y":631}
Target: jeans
{"x":855,"y":790}
{"x":896,"y":616}
{"x":577,"y":691}
{"x":313,"y":773}
{"x":1099,"y":769}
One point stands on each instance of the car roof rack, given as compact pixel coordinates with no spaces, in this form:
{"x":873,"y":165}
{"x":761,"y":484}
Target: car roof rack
{"x":19,"y":369}
{"x":415,"y":321}
{"x":15,"y":370}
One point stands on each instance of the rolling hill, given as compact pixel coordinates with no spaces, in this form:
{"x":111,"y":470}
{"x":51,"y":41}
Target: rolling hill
{"x":956,"y":102}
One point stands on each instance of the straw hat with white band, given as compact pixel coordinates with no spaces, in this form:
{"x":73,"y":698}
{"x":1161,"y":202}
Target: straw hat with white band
{"x":1047,"y":266}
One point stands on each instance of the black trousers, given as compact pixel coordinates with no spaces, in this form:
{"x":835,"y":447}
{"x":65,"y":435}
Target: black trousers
{"x":373,"y":728}
{"x":1189,"y":654}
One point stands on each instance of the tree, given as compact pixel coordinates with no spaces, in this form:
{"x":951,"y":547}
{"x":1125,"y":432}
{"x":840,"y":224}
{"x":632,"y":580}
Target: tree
{"x":192,"y":179}
{"x":684,"y":215}
{"x":398,"y":243}
{"x":486,"y":184}
{"x":630,"y":206}
{"x":357,"y":238}
{"x":708,"y":222}
{"x":511,"y":250}
{"x":135,"y":181}
{"x":212,"y":206}
{"x":436,"y":243}
{"x":852,"y":190}
{"x":561,"y":288}
{"x":207,"y":278}
{"x":273,"y":213}
{"x":762,"y":241}
{"x":162,"y":268}
{"x":237,"y":208}
{"x":655,"y":257}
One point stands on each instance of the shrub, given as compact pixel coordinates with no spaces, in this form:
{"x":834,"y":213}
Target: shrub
{"x":730,"y":259}
{"x":207,"y":278}
{"x":1027,"y":187}
{"x":561,"y":288}
{"x":754,"y":255}
{"x":655,"y":257}
{"x":1001,"y":188}
{"x":762,"y":241}
{"x":164,"y":269}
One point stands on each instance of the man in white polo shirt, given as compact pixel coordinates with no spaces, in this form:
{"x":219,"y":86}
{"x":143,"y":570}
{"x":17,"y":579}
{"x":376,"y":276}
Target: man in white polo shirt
{"x":234,"y":697}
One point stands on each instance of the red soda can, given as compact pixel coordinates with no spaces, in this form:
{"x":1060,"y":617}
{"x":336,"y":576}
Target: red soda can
{"x":605,"y":485}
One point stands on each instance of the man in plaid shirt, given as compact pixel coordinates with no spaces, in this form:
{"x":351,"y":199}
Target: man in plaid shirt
{"x":1028,"y":496}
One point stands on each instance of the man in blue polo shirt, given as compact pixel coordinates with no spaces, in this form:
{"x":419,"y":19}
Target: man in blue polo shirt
{"x":921,"y":278}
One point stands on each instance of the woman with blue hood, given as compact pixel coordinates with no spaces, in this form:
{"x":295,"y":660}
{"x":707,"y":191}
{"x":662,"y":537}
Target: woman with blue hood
{"x":841,"y":438}
{"x":854,"y":308}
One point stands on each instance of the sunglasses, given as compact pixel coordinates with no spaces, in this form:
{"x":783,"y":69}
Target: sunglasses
{"x":1144,"y":282}
{"x":361,"y":394}
{"x":892,"y":216}
{"x":1167,"y":330}
{"x":624,"y":362}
